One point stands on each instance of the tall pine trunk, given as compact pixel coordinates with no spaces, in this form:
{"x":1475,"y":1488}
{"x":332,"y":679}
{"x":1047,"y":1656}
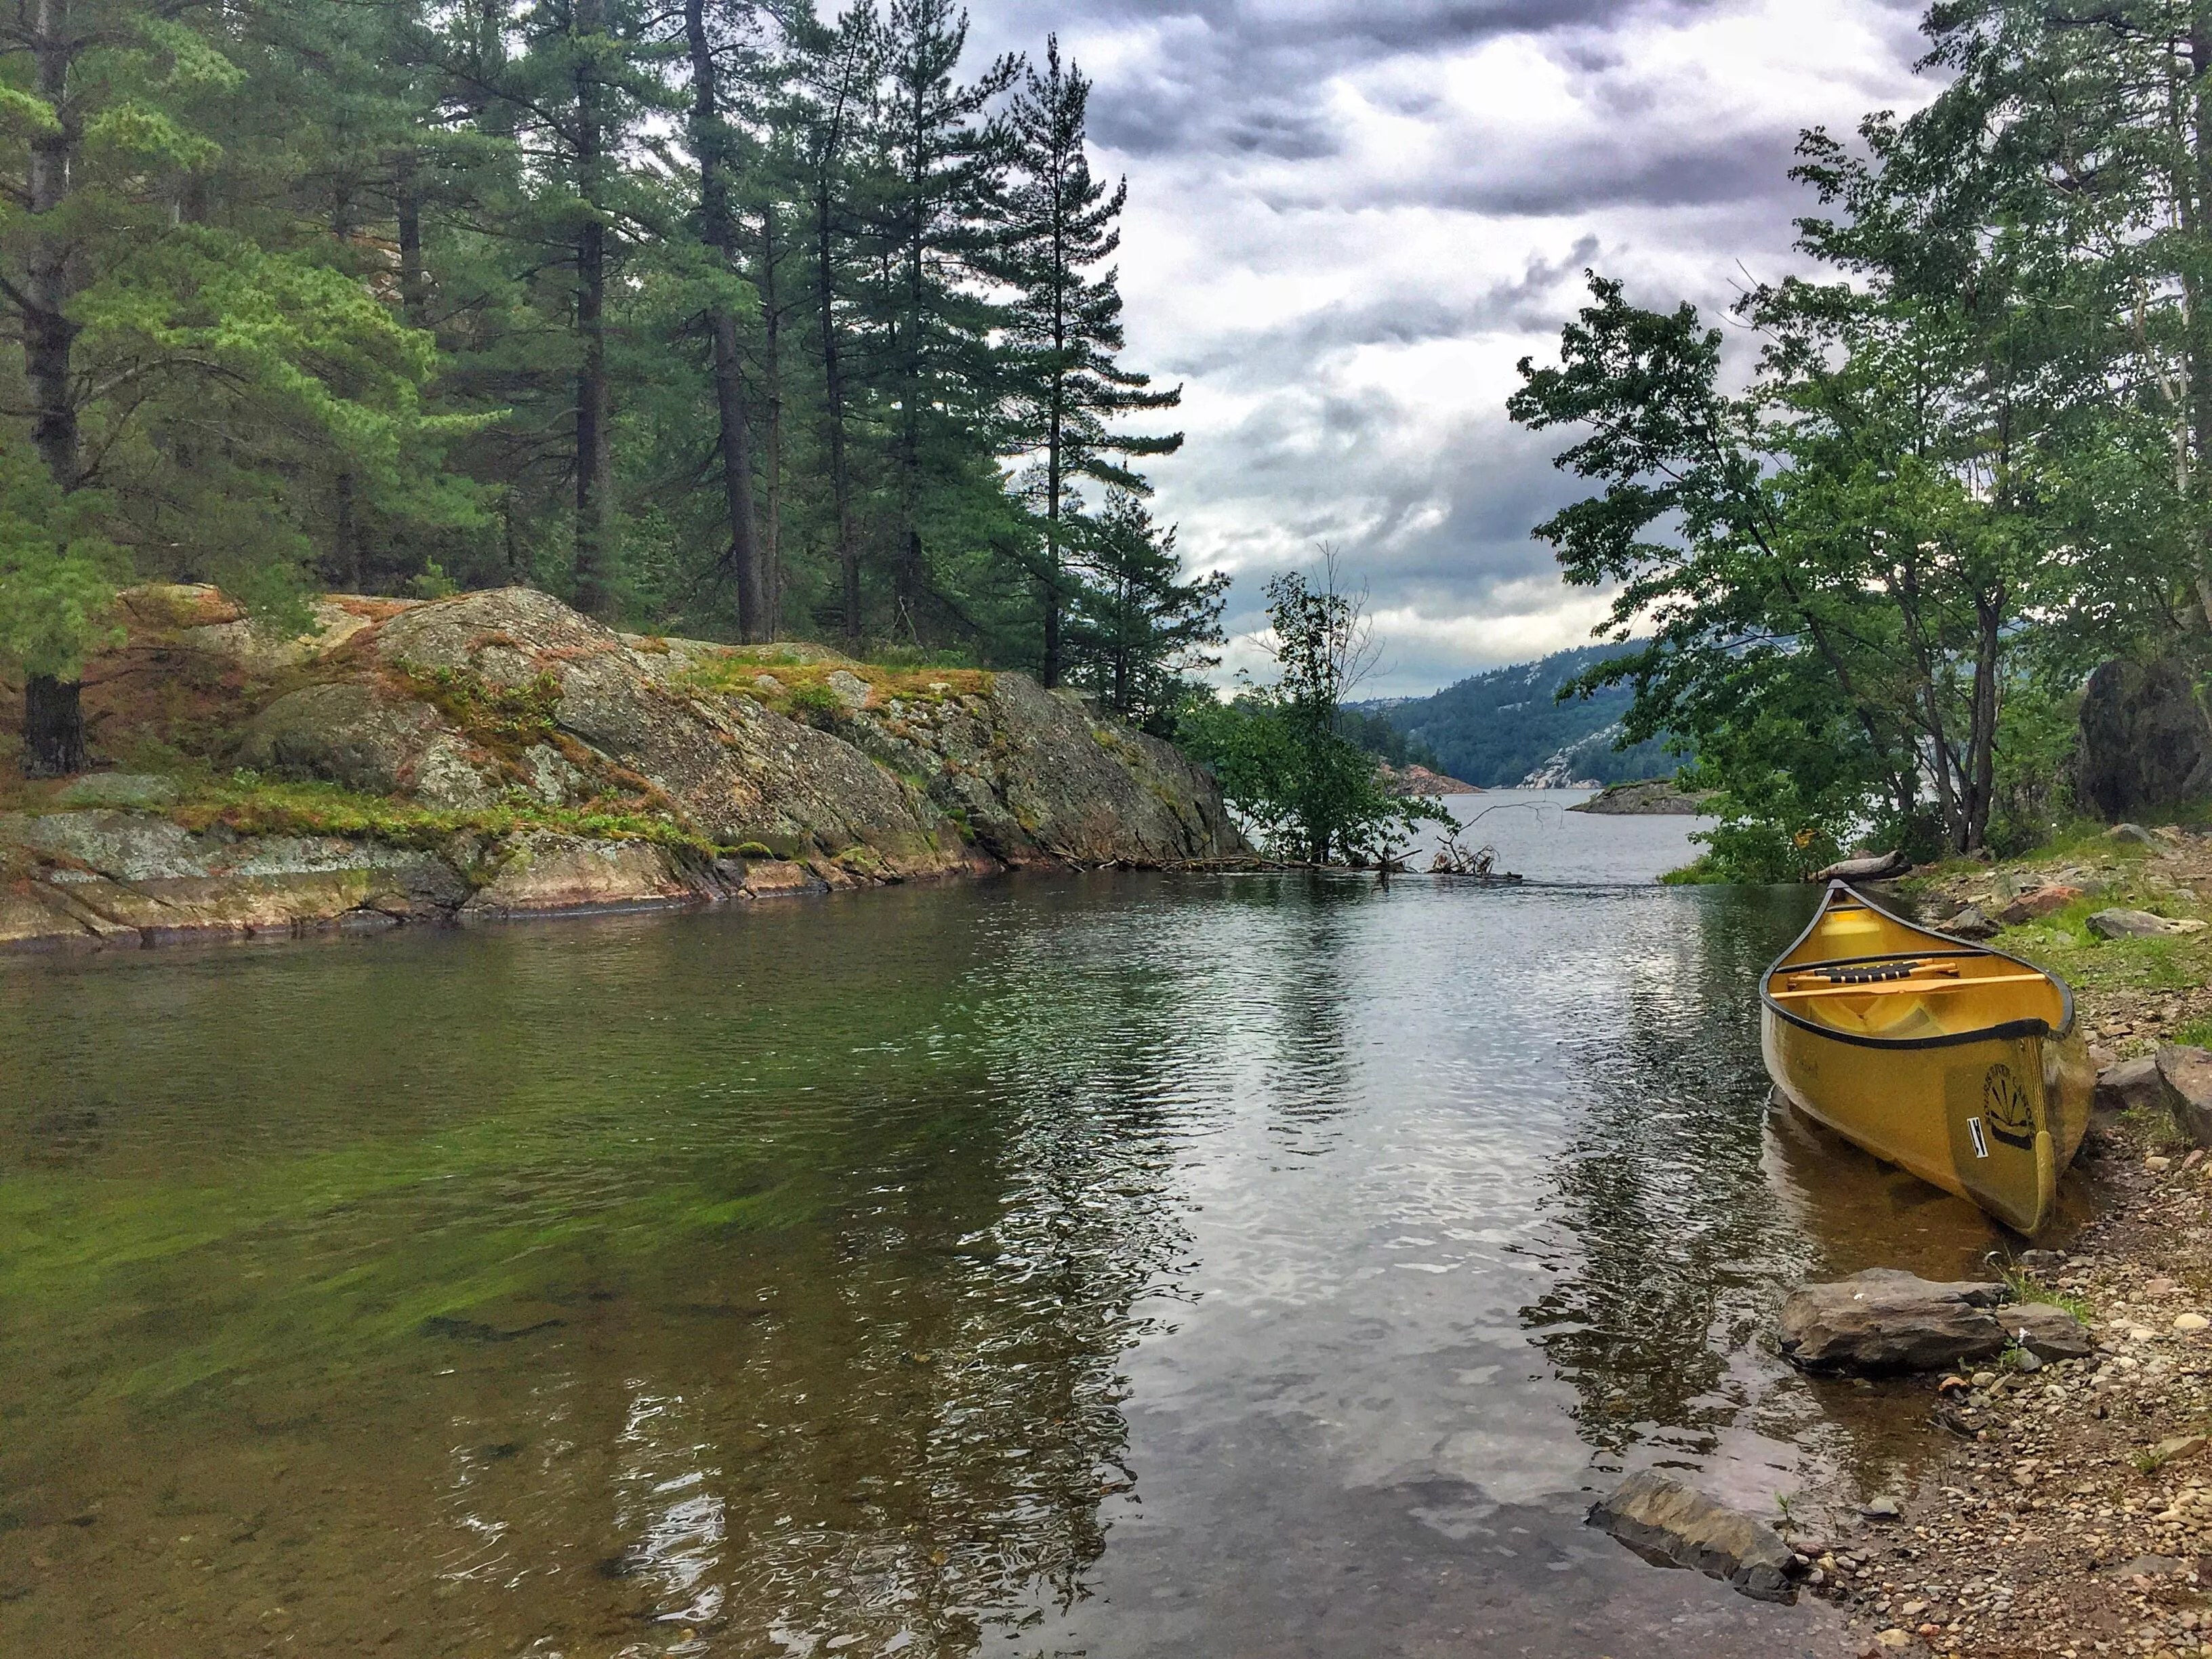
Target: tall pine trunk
{"x":53,"y":713}
{"x":718,"y":228}
{"x":407,"y":209}
{"x":595,"y":552}
{"x":906,"y":580}
{"x":772,"y":373}
{"x":833,"y":391}
{"x":1051,"y":666}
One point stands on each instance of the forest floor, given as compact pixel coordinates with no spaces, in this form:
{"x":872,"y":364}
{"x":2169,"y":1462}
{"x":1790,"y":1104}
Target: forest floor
{"x":2071,"y":1513}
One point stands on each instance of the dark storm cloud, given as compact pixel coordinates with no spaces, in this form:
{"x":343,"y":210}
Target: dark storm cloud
{"x":1243,"y":80}
{"x":1350,"y":218}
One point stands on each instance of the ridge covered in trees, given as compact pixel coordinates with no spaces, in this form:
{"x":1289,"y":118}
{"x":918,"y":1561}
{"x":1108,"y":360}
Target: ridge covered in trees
{"x":1497,"y":727}
{"x":729,"y":318}
{"x":1972,"y":459}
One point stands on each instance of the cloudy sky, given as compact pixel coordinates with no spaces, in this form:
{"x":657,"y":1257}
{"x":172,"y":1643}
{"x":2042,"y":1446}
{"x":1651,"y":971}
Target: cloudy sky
{"x":1349,"y":219}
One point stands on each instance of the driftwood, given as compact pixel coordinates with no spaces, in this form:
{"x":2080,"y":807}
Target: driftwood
{"x":1880,"y":867}
{"x":1481,"y":862}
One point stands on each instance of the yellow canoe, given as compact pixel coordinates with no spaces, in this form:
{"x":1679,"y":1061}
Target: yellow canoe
{"x":1957,"y":1062}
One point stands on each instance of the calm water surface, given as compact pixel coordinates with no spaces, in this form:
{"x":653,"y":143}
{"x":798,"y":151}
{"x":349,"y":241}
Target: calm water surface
{"x":1117,"y":1265}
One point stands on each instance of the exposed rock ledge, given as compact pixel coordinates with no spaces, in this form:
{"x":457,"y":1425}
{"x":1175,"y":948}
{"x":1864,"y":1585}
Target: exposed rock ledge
{"x":1650,"y":798}
{"x":540,"y":763}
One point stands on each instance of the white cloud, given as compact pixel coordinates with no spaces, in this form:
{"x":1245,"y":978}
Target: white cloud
{"x":1349,"y":221}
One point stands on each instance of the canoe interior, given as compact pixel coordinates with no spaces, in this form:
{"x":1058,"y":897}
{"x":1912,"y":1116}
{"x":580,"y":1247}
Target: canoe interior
{"x":1863,"y":971}
{"x":1952,"y":1060}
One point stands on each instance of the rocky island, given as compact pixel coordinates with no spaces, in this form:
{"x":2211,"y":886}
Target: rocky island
{"x":1646,"y":797}
{"x":499,"y":753}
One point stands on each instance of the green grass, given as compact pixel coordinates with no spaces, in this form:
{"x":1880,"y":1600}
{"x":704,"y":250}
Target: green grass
{"x":2062,"y":943}
{"x":805,"y":693}
{"x":251,"y":805}
{"x":2025,"y":1287}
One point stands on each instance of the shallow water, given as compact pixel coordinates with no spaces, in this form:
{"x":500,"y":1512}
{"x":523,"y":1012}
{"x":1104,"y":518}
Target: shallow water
{"x":1114,"y":1265}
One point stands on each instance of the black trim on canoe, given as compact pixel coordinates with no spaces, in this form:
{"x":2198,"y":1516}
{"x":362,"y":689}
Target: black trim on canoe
{"x":2009,"y":1029}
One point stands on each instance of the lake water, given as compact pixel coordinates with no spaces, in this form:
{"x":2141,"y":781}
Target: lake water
{"x":1108,"y":1265}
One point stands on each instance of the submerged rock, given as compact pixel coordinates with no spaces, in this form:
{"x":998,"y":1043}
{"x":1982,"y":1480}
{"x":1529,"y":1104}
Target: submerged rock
{"x":1882,"y":1319}
{"x":1674,"y":1525}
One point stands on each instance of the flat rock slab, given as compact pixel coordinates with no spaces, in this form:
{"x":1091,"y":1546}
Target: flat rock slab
{"x":2046,"y":1330}
{"x":1673,"y":1525}
{"x":2138,"y":924}
{"x":1882,"y":1319}
{"x":1880,"y":867}
{"x":544,"y":871}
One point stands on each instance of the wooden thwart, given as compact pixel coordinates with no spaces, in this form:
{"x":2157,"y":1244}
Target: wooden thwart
{"x":1898,"y":986}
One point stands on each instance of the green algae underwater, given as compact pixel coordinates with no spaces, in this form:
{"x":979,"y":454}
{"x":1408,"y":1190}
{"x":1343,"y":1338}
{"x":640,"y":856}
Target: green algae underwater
{"x":1112,"y":1265}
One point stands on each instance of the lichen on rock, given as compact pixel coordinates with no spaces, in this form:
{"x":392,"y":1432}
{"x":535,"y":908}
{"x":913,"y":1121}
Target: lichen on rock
{"x":542,"y":760}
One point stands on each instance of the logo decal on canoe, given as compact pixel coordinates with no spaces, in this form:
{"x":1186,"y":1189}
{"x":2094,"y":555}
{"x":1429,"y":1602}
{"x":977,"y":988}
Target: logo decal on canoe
{"x":2005,"y":1107}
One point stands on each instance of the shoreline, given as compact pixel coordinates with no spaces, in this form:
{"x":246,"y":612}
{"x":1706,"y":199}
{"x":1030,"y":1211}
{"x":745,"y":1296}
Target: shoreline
{"x":2066,"y":1509}
{"x":2063,"y":1511}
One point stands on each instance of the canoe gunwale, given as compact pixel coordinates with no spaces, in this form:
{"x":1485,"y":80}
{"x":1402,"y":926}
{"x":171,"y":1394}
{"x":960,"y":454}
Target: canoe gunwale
{"x":2008,"y":1030}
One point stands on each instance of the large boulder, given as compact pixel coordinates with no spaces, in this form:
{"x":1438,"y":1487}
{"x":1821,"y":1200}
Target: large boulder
{"x":2144,"y":741}
{"x":2037,"y":904}
{"x":1671,"y":1524}
{"x":1882,"y":1319}
{"x":356,"y":734}
{"x":1029,"y":773}
{"x":2184,"y":1089}
{"x":2130,"y":1084}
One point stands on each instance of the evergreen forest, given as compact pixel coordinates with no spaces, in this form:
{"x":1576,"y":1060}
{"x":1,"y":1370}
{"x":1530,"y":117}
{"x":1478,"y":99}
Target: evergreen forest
{"x":728,"y":317}
{"x":1495,"y":728}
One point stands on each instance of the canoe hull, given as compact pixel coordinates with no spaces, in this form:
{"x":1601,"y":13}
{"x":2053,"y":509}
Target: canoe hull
{"x":1948,"y":1059}
{"x":1994,"y":1121}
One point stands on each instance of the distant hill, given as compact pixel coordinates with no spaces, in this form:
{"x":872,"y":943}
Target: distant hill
{"x":1501,"y":728}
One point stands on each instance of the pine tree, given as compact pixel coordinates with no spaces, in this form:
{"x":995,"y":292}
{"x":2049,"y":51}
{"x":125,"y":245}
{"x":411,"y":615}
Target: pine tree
{"x":838,"y":68}
{"x":1065,"y":326}
{"x":714,"y":149}
{"x":1138,"y":627}
{"x":583,"y":92}
{"x":187,"y":350}
{"x":942,"y":159}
